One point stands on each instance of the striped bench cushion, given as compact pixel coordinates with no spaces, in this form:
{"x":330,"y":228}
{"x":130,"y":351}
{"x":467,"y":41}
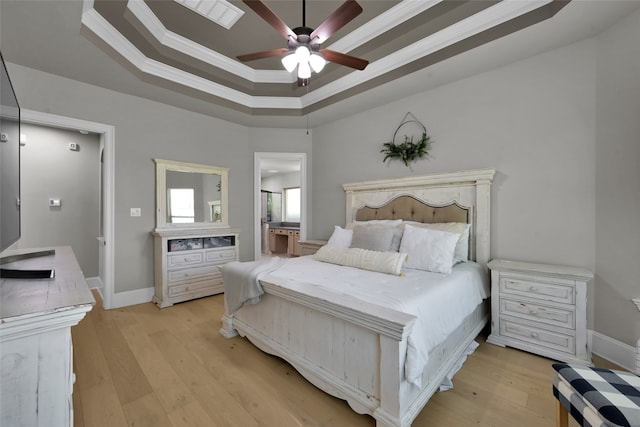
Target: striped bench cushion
{"x":598,"y":397}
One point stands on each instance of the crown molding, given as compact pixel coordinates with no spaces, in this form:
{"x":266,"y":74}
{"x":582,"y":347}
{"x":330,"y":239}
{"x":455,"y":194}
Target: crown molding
{"x":483,"y":20}
{"x":181,"y":44}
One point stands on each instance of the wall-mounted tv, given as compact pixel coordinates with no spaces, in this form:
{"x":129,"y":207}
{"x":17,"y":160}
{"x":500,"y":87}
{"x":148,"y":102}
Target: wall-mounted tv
{"x":9,"y":161}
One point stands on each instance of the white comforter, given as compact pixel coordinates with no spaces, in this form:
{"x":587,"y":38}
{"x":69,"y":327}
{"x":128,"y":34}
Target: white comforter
{"x":440,"y":302}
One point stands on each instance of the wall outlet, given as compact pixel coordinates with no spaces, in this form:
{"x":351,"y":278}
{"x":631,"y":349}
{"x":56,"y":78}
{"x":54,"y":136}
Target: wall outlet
{"x":136,"y":212}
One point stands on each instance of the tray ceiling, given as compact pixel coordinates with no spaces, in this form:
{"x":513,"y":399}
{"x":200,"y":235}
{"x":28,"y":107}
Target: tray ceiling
{"x":180,"y":43}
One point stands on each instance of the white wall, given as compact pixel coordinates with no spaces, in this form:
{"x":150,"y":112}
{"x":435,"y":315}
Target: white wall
{"x":50,"y":170}
{"x":618,"y":181}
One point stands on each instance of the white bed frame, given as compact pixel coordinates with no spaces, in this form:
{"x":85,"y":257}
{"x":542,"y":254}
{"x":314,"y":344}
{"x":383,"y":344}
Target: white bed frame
{"x":355,"y":350}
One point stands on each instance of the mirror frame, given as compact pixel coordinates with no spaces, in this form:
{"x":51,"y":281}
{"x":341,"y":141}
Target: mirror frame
{"x":162,"y":166}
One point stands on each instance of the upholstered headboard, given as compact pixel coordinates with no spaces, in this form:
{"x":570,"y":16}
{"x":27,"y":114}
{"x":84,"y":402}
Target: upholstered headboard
{"x":451,"y":197}
{"x":409,"y":208}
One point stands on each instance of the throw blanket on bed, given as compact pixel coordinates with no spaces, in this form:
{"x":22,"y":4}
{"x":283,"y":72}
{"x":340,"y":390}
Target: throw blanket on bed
{"x":242,"y":281}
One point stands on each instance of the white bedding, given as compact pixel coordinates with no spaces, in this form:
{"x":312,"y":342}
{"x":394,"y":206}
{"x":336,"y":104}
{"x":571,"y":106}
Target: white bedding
{"x":440,"y":302}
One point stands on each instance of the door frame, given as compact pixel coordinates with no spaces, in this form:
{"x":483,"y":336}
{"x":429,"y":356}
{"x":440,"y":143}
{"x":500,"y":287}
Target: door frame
{"x":107,"y":139}
{"x":257,"y":178}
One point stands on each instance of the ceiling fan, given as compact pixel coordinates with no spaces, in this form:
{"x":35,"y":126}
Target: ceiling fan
{"x":303,"y":43}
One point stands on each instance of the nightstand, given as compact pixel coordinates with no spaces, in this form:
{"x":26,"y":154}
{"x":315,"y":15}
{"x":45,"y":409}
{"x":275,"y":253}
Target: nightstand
{"x":310,"y":247}
{"x":540,"y":308}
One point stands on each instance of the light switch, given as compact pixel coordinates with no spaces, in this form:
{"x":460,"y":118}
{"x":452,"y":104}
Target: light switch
{"x":136,"y":212}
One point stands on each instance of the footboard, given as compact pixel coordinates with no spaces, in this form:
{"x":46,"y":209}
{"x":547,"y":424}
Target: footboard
{"x":346,"y":347}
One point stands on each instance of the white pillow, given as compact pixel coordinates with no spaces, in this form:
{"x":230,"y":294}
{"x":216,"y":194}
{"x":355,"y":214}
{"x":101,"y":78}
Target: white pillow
{"x":428,"y":249}
{"x":393,"y":222}
{"x":374,"y":237}
{"x":382,"y":262}
{"x":340,"y":238}
{"x":461,"y":253}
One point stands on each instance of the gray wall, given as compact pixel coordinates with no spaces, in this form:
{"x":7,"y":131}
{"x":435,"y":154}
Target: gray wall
{"x":50,"y":170}
{"x":561,"y":128}
{"x":617,"y":180}
{"x":145,"y":130}
{"x":562,"y":131}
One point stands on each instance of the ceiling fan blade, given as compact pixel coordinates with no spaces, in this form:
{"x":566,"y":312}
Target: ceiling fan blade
{"x":338,"y":19}
{"x":263,"y":54}
{"x":272,"y":19}
{"x":343,"y":59}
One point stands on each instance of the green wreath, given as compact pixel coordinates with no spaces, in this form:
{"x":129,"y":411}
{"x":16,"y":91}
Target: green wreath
{"x":408,"y":150}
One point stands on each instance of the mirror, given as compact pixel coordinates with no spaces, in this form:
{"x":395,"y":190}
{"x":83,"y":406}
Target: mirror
{"x":190,"y":195}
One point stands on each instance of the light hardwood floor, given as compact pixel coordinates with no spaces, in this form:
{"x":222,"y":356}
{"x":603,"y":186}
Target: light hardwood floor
{"x":141,"y":366}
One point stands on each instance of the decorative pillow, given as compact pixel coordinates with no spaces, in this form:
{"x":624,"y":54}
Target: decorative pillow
{"x":461,"y":253}
{"x":382,"y":262}
{"x":428,"y":249}
{"x":373,"y":237}
{"x":379,"y":221}
{"x":392,"y":222}
{"x":340,"y":238}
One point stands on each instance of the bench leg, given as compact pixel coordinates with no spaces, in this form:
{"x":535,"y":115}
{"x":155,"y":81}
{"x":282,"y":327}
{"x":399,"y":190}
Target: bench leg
{"x":562,"y":416}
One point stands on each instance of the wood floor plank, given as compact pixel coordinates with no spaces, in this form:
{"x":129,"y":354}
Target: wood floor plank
{"x":146,"y":411}
{"x":142,"y":366}
{"x":223,"y":409}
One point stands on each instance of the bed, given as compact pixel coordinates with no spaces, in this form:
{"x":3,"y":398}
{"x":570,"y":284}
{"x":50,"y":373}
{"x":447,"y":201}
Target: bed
{"x":349,"y":345}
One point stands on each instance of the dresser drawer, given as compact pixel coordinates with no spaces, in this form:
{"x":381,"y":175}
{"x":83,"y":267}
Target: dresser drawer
{"x":543,"y":291}
{"x":184,"y":259}
{"x":537,"y":336}
{"x":195,"y":286}
{"x":193,"y":273}
{"x":218,"y":256}
{"x":556,"y":316}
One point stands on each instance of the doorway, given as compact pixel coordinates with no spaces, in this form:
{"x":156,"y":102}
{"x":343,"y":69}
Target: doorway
{"x":268,"y":165}
{"x":107,"y":142}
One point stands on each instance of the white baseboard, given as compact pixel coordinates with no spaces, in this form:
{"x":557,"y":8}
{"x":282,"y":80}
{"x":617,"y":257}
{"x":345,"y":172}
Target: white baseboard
{"x":94,"y":282}
{"x":139,"y":296}
{"x":613,"y":350}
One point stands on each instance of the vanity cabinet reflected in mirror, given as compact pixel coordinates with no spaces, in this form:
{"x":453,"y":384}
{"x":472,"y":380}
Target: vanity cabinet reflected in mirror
{"x":190,"y":195}
{"x":192,"y":238}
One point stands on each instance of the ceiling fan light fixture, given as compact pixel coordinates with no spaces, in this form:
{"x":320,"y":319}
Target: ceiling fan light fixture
{"x":303,"y":53}
{"x":304,"y":71}
{"x":290,"y":62}
{"x":317,"y":62}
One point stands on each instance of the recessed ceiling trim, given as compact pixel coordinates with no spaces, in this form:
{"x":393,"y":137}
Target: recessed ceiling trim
{"x":181,"y":44}
{"x":382,"y":23}
{"x":488,"y":18}
{"x":103,"y":29}
{"x":485,"y":19}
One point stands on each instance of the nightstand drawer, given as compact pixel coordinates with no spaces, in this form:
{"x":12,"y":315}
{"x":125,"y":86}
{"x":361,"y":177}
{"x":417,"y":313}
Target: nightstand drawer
{"x":536,"y":336}
{"x":537,"y":289}
{"x":555,"y":316}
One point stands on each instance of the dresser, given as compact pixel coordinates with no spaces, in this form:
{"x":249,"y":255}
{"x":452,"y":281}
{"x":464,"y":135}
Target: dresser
{"x":540,"y":308}
{"x":187,"y":262}
{"x":36,"y":350}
